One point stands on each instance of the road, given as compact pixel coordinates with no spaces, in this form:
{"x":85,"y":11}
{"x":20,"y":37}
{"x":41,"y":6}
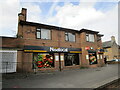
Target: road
{"x":77,"y":78}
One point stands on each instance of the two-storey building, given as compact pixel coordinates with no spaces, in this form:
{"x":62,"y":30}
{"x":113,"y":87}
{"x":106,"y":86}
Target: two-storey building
{"x":111,"y":49}
{"x":45,"y":47}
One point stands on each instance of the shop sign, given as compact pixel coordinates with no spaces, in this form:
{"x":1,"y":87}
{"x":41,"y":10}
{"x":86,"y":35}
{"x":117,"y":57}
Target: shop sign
{"x":53,"y":49}
{"x":87,"y":48}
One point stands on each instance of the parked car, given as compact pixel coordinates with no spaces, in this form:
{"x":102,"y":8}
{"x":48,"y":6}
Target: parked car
{"x":115,"y":60}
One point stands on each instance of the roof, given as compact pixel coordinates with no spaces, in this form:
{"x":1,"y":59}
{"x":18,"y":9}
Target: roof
{"x":107,"y":44}
{"x":7,"y":37}
{"x":88,"y":31}
{"x":46,"y":26}
{"x":55,"y":27}
{"x":101,"y":35}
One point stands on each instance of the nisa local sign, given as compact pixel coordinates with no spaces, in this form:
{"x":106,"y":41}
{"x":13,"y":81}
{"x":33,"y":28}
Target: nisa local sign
{"x":55,"y":49}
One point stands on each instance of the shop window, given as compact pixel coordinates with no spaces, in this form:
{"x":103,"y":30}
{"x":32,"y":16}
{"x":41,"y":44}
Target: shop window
{"x":43,"y":33}
{"x":92,"y":58}
{"x":90,"y":37}
{"x":71,"y":59}
{"x":43,"y":60}
{"x":70,"y":37}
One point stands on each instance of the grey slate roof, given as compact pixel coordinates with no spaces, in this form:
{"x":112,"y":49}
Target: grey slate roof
{"x":107,"y":44}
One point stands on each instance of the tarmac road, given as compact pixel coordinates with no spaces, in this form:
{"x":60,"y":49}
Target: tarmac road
{"x":77,"y":78}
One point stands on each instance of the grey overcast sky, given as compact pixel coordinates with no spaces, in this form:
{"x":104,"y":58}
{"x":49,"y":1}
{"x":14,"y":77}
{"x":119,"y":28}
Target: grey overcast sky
{"x":97,"y":15}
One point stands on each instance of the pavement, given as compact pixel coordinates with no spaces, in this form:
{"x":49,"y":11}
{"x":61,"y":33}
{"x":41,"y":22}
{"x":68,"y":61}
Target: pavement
{"x":76,"y":78}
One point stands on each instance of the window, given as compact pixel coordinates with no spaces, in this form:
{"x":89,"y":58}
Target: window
{"x":87,"y":37}
{"x":43,"y":34}
{"x":71,"y":59}
{"x":43,"y":60}
{"x":90,"y":37}
{"x":70,"y":37}
{"x":92,"y":58}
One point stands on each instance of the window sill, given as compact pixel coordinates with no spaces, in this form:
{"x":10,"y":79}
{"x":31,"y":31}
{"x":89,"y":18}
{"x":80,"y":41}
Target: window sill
{"x":71,"y":41}
{"x":90,"y":42}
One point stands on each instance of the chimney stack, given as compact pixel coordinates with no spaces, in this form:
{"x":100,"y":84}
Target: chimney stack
{"x":113,"y":39}
{"x":23,"y":15}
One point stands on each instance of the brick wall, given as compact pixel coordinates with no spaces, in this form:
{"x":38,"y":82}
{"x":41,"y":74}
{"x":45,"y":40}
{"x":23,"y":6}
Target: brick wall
{"x":27,"y":36}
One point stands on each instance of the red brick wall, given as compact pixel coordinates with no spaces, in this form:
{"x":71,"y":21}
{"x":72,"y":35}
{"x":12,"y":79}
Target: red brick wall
{"x":9,"y":42}
{"x":95,"y":46}
{"x":29,"y":37}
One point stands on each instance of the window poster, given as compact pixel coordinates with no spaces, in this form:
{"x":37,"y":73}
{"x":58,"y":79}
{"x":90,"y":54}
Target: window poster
{"x":97,"y":56}
{"x":56,"y":58}
{"x":43,"y":60}
{"x":92,"y":58}
{"x":62,"y":58}
{"x":101,"y":57}
{"x":87,"y":56}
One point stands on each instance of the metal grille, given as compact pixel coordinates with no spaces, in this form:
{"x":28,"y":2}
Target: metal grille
{"x":8,"y":61}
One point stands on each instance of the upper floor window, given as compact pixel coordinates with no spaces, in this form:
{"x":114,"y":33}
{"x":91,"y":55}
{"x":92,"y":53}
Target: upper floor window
{"x":90,"y":38}
{"x":70,"y":37}
{"x":43,"y":33}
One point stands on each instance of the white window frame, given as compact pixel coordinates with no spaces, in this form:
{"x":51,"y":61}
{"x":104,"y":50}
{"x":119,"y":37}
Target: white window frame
{"x":90,"y":38}
{"x":41,"y":36}
{"x":67,"y":36}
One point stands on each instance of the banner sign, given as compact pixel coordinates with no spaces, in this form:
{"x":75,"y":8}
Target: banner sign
{"x":51,"y":49}
{"x":55,"y":49}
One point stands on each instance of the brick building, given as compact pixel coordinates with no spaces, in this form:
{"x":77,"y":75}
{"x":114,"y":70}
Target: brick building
{"x":111,"y":49}
{"x":46,"y":47}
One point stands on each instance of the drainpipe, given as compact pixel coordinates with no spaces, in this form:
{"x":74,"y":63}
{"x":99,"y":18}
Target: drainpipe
{"x":59,"y":52}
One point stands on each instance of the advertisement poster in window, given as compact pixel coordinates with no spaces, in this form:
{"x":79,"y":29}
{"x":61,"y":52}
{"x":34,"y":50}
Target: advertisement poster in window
{"x":92,"y":58}
{"x":43,"y":61}
{"x":56,"y":58}
{"x":62,"y":58}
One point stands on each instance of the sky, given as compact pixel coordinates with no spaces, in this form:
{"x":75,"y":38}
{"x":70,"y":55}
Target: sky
{"x":96,"y":15}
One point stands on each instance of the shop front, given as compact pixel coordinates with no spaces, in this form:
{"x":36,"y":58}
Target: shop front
{"x":94,"y":57}
{"x":53,"y":58}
